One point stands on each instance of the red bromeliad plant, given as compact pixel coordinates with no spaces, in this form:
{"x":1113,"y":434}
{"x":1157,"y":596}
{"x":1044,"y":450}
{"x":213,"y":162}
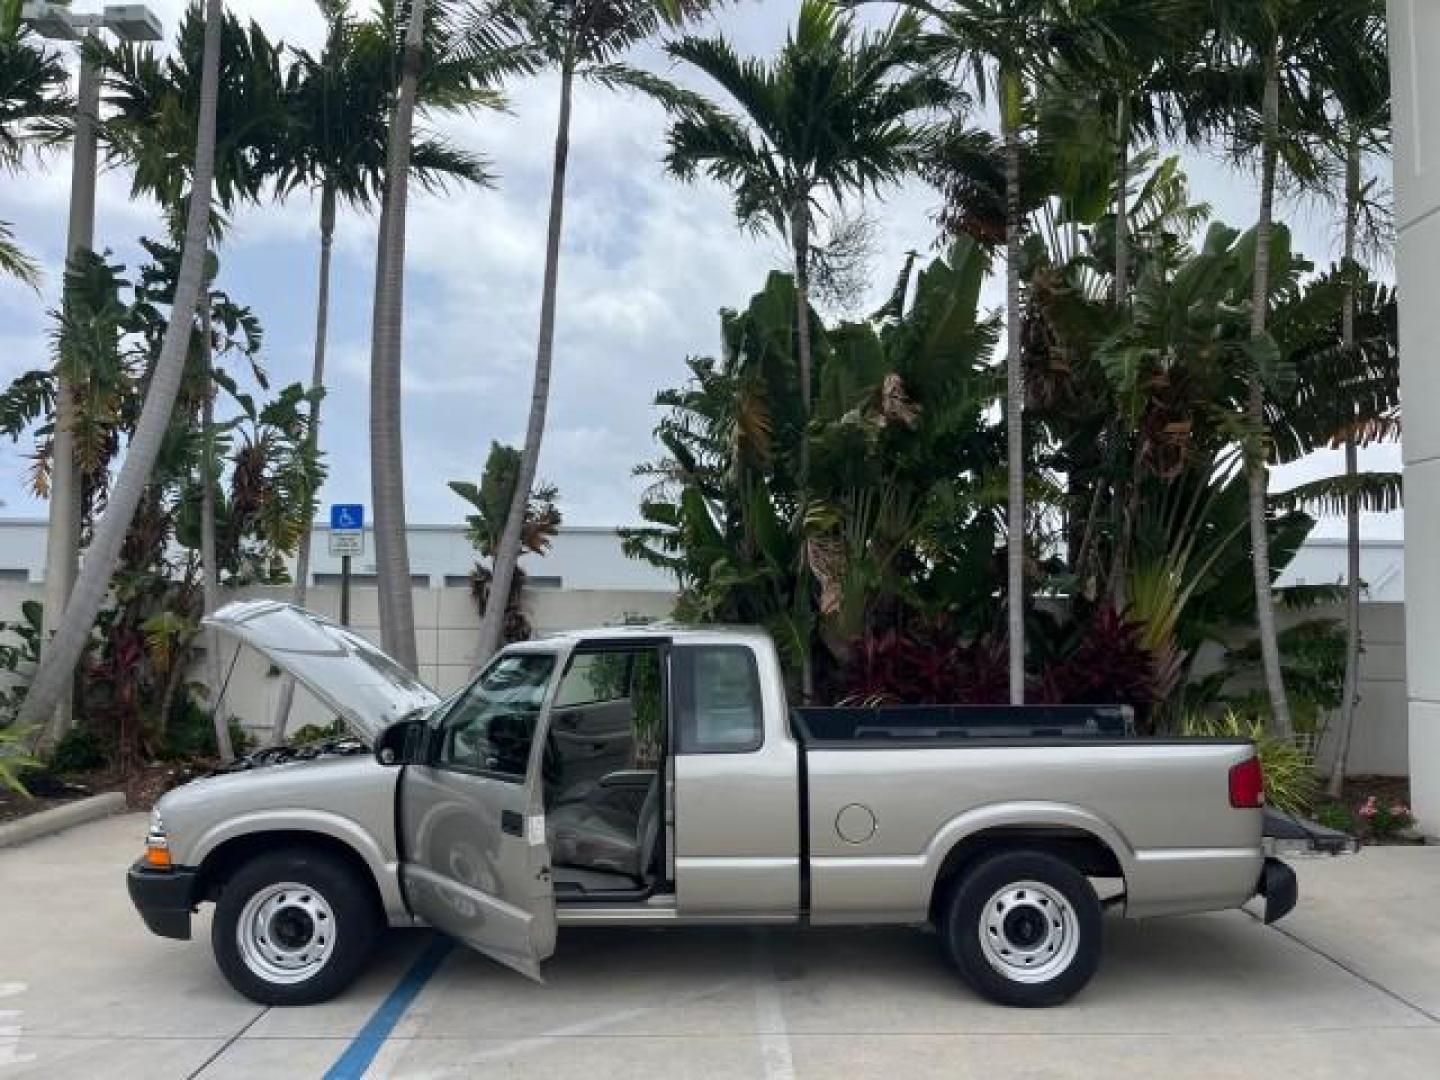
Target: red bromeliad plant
{"x":1109,"y":666}
{"x":922,"y":665}
{"x":929,"y":664}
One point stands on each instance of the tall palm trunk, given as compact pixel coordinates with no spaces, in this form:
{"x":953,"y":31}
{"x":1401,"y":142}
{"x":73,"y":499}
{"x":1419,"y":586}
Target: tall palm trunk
{"x":507,"y":554}
{"x":208,"y":559}
{"x":57,"y":667}
{"x":312,"y":437}
{"x":387,"y":449}
{"x":800,"y":241}
{"x":1014,"y":406}
{"x":66,"y":483}
{"x":1122,"y":202}
{"x":1350,"y":696}
{"x":1259,"y":474}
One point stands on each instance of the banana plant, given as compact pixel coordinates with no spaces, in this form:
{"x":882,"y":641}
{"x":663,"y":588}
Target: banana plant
{"x":899,"y":458}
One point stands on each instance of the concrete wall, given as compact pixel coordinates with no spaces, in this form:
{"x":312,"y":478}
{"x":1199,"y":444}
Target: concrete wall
{"x":1380,"y":746}
{"x":580,"y":558}
{"x":1381,"y":739}
{"x":1414,"y":34}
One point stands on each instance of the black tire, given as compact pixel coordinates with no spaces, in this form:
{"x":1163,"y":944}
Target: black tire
{"x":334,"y":904}
{"x":1063,"y":945}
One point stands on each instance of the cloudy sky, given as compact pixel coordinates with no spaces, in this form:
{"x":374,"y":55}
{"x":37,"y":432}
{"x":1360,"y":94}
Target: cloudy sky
{"x":647,"y":265}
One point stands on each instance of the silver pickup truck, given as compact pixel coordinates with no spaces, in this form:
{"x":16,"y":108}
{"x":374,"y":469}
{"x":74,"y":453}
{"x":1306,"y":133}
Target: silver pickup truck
{"x":655,"y":777}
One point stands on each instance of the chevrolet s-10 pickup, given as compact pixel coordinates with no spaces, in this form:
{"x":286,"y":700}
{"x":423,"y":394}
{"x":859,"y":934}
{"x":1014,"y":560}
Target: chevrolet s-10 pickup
{"x":655,"y":776}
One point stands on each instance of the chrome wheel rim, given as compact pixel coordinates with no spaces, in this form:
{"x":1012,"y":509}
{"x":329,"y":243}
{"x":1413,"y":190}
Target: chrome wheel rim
{"x":286,"y":933}
{"x":1029,"y":932}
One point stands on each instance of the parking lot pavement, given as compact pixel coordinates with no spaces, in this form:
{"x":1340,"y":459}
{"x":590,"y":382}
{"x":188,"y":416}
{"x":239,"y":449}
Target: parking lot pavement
{"x":1348,"y":986}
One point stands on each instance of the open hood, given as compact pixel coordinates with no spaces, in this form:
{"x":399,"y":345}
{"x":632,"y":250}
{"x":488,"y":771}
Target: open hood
{"x":367,"y":689}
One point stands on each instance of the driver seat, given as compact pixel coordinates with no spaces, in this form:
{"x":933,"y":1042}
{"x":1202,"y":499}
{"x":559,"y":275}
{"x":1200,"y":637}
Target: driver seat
{"x":606,"y":835}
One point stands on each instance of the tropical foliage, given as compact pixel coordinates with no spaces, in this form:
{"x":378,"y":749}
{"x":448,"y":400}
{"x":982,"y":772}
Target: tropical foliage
{"x":108,"y":339}
{"x":491,"y":501}
{"x":1067,"y":500}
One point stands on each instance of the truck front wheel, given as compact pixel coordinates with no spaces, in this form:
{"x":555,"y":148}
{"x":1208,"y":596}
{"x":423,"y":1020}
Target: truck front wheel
{"x":294,"y":927}
{"x":1024,"y":928}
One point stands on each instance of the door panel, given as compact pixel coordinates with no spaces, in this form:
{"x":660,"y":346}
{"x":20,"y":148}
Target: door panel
{"x":593,"y":740}
{"x":736,"y":790}
{"x":473,"y":869}
{"x":475,"y":862}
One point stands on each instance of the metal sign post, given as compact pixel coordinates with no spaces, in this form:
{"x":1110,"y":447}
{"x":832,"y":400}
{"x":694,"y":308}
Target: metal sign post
{"x":347,"y":539}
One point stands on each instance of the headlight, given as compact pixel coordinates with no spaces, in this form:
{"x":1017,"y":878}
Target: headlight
{"x":157,"y":844}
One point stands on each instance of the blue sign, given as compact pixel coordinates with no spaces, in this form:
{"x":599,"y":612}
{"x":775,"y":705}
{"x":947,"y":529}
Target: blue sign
{"x":348,"y":517}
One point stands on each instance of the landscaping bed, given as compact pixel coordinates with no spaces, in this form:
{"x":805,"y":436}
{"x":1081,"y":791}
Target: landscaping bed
{"x":1378,"y":825}
{"x":142,"y":788}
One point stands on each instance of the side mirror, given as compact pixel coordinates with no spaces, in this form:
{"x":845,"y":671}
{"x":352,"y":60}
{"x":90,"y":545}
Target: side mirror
{"x":398,"y":743}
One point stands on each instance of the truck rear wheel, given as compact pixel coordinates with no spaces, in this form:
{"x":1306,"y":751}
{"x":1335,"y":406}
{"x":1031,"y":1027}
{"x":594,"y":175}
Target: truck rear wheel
{"x":1024,"y":928}
{"x":294,"y":927}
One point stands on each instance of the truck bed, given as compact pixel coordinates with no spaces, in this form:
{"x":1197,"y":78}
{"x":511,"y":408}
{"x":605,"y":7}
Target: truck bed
{"x":888,"y":793}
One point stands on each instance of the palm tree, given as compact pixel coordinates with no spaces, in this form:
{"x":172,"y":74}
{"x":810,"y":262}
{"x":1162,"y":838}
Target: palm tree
{"x":387,"y":450}
{"x":1264,"y":66}
{"x":335,"y":144}
{"x":156,"y":102}
{"x":1000,"y":46}
{"x":33,"y":110}
{"x":831,"y":117}
{"x":582,"y":39}
{"x":1361,"y":129}
{"x":1119,"y":61}
{"x":57,"y":667}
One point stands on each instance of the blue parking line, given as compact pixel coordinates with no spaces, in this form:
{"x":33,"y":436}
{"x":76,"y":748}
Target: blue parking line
{"x":361,"y":1052}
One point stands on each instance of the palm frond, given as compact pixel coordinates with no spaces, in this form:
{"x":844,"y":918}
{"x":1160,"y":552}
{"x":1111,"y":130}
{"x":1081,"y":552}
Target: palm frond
{"x":1375,"y":492}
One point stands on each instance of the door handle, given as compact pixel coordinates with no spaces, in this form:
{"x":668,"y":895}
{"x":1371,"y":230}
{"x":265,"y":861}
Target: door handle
{"x":512,"y":823}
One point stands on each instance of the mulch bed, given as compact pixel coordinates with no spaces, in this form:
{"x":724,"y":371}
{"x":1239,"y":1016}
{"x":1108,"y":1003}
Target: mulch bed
{"x":142,"y":788}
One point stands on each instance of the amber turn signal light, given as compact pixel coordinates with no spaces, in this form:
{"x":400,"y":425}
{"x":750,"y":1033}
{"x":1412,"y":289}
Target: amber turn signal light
{"x":157,"y":856}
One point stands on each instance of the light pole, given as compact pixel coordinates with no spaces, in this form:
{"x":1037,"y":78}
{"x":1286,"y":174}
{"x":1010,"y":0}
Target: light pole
{"x":128,"y":22}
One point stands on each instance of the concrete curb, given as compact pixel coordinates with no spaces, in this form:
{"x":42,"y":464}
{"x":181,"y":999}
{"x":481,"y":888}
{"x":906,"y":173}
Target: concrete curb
{"x":59,"y":818}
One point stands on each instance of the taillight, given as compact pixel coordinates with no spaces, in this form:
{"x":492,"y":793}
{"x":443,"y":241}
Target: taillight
{"x":1247,"y":785}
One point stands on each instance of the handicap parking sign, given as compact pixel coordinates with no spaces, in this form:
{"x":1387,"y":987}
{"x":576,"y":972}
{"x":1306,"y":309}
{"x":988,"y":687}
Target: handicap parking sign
{"x":347,"y":517}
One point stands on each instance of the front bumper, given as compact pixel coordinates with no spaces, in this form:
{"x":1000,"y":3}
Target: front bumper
{"x":1279,"y":888}
{"x":165,"y":899}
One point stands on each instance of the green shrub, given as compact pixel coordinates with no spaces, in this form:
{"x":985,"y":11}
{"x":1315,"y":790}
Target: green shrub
{"x":1290,"y":783}
{"x":80,"y":750}
{"x":191,"y":734}
{"x":1385,"y":820}
{"x":1335,"y":815}
{"x":314,"y":733}
{"x":15,"y":759}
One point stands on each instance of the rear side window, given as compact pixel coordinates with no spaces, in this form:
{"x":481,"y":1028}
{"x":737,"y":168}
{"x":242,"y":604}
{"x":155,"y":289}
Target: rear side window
{"x":717,"y":700}
{"x":595,"y":678}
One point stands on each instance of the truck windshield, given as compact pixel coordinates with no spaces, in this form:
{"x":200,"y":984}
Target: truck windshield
{"x":489,"y":726}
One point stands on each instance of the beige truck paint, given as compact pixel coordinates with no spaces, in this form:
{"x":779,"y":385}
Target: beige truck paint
{"x":349,"y":799}
{"x":1161,"y":809}
{"x":880,"y":821}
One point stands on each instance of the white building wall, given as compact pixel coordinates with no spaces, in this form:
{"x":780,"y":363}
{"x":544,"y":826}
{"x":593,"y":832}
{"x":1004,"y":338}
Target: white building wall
{"x":582,"y":558}
{"x":1414,"y":33}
